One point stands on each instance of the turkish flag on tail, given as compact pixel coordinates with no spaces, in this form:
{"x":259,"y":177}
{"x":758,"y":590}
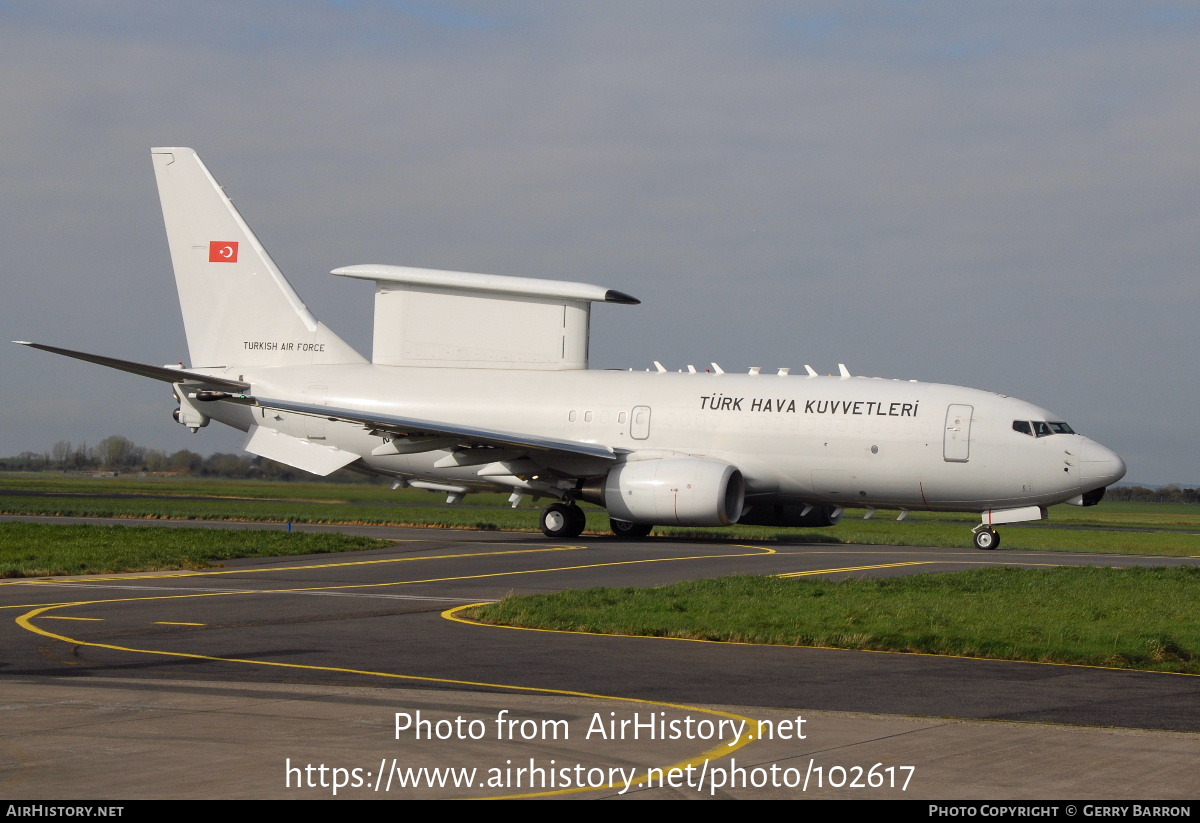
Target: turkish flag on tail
{"x":222,"y":251}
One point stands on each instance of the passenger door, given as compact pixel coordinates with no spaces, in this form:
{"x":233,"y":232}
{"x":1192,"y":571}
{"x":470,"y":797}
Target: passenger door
{"x":956,"y":448}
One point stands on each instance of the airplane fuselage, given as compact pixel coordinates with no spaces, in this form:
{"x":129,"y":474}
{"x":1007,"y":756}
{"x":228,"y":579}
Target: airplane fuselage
{"x":842,"y":441}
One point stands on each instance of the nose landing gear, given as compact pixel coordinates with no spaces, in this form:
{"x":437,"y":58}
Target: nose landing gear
{"x":985,"y":533}
{"x":986,"y":538}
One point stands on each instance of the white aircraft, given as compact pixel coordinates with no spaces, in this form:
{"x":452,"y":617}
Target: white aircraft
{"x":479,"y":381}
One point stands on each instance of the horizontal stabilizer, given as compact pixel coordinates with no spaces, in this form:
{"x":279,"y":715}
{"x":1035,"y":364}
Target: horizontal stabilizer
{"x":315,"y":458}
{"x":165,"y":373}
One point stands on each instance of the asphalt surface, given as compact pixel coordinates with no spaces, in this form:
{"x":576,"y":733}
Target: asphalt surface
{"x":236,"y":676}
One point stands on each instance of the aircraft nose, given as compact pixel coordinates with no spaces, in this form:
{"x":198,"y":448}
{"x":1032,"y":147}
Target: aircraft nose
{"x":1099,"y":466}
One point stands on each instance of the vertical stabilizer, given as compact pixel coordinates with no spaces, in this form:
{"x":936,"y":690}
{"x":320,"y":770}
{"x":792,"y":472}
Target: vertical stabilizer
{"x":238,"y":310}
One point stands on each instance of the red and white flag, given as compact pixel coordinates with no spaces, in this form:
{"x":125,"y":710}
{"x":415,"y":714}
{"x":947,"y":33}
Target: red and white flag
{"x":222,"y":251}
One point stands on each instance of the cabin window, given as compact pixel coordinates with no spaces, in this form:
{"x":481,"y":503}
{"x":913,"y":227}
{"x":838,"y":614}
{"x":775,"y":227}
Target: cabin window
{"x":587,"y":417}
{"x":572,"y":416}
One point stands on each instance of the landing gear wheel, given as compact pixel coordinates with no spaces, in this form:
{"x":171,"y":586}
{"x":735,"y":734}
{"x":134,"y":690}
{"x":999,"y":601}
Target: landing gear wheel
{"x":627,"y":530}
{"x":987,"y":539}
{"x":563,"y":521}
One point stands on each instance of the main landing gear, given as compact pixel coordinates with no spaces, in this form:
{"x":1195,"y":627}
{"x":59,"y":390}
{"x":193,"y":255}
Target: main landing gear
{"x":563,"y":521}
{"x":986,"y":538}
{"x":627,"y":530}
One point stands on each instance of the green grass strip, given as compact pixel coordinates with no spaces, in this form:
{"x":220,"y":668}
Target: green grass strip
{"x":1106,"y":528}
{"x":42,"y":550}
{"x":1136,"y":618}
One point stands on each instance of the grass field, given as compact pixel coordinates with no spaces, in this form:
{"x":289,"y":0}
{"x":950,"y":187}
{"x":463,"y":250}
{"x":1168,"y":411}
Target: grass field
{"x":1136,"y":618}
{"x":41,"y":550}
{"x":1137,"y":528}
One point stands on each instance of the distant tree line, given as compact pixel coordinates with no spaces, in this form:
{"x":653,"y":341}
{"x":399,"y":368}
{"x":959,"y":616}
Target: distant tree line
{"x":121,"y":455}
{"x":1163,"y":494}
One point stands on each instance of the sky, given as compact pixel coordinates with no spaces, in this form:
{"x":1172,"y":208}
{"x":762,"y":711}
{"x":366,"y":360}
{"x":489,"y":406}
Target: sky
{"x":1001,"y":195}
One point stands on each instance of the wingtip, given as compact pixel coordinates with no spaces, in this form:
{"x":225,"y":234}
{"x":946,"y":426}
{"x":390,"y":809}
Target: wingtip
{"x":614,"y":296}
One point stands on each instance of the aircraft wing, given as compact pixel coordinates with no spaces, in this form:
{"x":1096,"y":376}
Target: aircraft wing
{"x":164,"y":373}
{"x":416,"y":426}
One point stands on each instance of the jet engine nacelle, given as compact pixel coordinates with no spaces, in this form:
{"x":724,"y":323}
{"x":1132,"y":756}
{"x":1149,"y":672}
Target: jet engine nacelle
{"x":673,"y":491}
{"x":791,"y":515}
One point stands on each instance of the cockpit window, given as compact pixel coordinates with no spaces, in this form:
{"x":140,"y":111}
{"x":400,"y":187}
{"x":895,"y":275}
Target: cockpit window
{"x":1041,"y":428}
